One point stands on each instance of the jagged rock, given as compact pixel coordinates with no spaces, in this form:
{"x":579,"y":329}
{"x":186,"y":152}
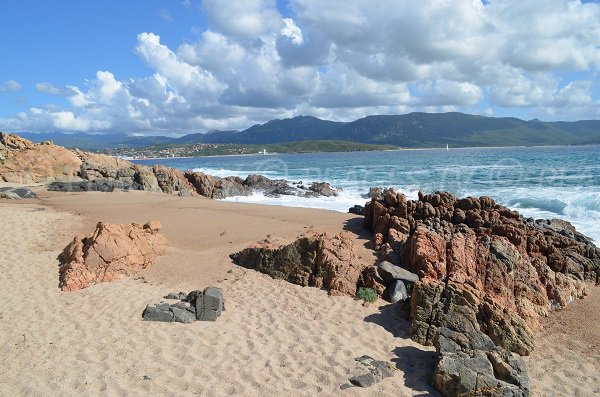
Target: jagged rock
{"x":26,"y":162}
{"x":171,"y":180}
{"x":320,"y":260}
{"x":390,"y":272}
{"x":111,"y":252}
{"x":375,"y":193}
{"x":524,"y":266}
{"x":17,"y":193}
{"x":376,"y":371}
{"x":397,"y":292}
{"x":323,"y":189}
{"x":215,"y":187}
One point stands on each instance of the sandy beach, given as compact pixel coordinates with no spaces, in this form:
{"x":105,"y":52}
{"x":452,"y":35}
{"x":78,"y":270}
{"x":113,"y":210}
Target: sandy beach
{"x":274,"y":339}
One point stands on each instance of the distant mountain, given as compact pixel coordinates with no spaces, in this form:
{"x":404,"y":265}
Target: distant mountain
{"x":96,"y":141}
{"x":418,"y":130}
{"x":408,"y":130}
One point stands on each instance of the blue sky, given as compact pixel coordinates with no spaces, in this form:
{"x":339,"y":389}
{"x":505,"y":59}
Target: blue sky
{"x":172,"y":67}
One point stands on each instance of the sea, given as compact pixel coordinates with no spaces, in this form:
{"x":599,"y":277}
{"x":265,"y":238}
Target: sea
{"x":541,"y":182}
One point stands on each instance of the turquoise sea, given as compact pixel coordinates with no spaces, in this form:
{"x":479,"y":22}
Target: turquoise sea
{"x":542,"y":182}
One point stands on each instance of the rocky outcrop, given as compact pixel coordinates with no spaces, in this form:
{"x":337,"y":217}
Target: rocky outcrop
{"x":486,"y":276}
{"x":317,"y":260}
{"x":24,"y":162}
{"x":206,"y":305}
{"x":21,"y":161}
{"x":111,"y":252}
{"x":519,"y":268}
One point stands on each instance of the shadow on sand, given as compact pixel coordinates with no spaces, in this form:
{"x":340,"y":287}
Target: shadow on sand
{"x":416,"y":364}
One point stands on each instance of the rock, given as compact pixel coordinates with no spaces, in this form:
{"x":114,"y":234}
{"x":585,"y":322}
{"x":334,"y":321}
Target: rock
{"x":17,"y":193}
{"x":389,"y":272}
{"x":25,"y":162}
{"x":181,"y":315}
{"x":9,"y":195}
{"x":176,"y":295}
{"x":158,"y":312}
{"x":397,"y":292}
{"x":111,"y":252}
{"x":171,"y":180}
{"x":98,"y":185}
{"x":210,"y":304}
{"x":215,"y":187}
{"x":357,"y":209}
{"x":376,"y":371}
{"x":204,"y":305}
{"x":316,"y":259}
{"x":364,"y":380}
{"x":323,"y":189}
{"x":375,"y":193}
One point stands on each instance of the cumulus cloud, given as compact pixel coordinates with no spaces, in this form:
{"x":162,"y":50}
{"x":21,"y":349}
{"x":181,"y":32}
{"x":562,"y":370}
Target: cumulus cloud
{"x":344,"y":59}
{"x":10,"y":86}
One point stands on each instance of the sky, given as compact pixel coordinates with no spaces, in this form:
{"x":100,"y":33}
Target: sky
{"x":172,"y":67}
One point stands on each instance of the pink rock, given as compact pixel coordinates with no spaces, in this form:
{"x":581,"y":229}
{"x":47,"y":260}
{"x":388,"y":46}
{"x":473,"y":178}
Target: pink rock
{"x":111,"y":252}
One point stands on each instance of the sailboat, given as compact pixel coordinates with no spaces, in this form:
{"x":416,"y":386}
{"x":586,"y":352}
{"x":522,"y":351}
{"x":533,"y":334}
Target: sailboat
{"x":447,"y":147}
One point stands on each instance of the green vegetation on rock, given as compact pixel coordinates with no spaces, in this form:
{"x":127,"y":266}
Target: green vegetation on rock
{"x":366,"y":294}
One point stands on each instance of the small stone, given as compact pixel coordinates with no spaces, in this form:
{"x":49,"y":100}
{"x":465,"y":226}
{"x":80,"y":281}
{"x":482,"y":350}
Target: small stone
{"x":146,"y":377}
{"x":364,"y":380}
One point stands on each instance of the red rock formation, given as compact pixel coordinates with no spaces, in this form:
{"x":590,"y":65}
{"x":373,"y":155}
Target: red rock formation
{"x":111,"y":252}
{"x":21,"y":161}
{"x":517,"y":268}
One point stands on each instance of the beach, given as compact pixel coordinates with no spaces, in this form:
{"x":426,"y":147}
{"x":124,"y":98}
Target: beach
{"x":274,"y":338}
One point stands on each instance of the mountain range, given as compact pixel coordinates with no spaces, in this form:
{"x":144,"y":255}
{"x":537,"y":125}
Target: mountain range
{"x":413,"y":130}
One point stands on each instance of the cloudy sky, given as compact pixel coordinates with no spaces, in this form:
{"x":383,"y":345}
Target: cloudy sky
{"x":180,"y":66}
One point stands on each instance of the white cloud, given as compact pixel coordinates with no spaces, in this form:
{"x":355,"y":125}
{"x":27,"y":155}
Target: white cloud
{"x":10,"y":86}
{"x":344,"y":59}
{"x":51,"y":89}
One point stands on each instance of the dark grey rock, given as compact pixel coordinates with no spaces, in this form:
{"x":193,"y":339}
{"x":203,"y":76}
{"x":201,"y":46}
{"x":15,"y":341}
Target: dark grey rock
{"x":193,"y":296}
{"x":18,"y":192}
{"x":397,"y":292}
{"x":357,"y":209}
{"x":158,"y":312}
{"x":209,"y":308}
{"x":182,"y":315}
{"x":96,"y":185}
{"x":390,"y":272}
{"x":364,"y":380}
{"x":376,"y":370}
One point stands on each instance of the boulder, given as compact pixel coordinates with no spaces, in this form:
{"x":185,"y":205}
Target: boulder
{"x":315,"y":259}
{"x":323,"y":189}
{"x":111,"y":252}
{"x":389,"y":273}
{"x":171,"y":180}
